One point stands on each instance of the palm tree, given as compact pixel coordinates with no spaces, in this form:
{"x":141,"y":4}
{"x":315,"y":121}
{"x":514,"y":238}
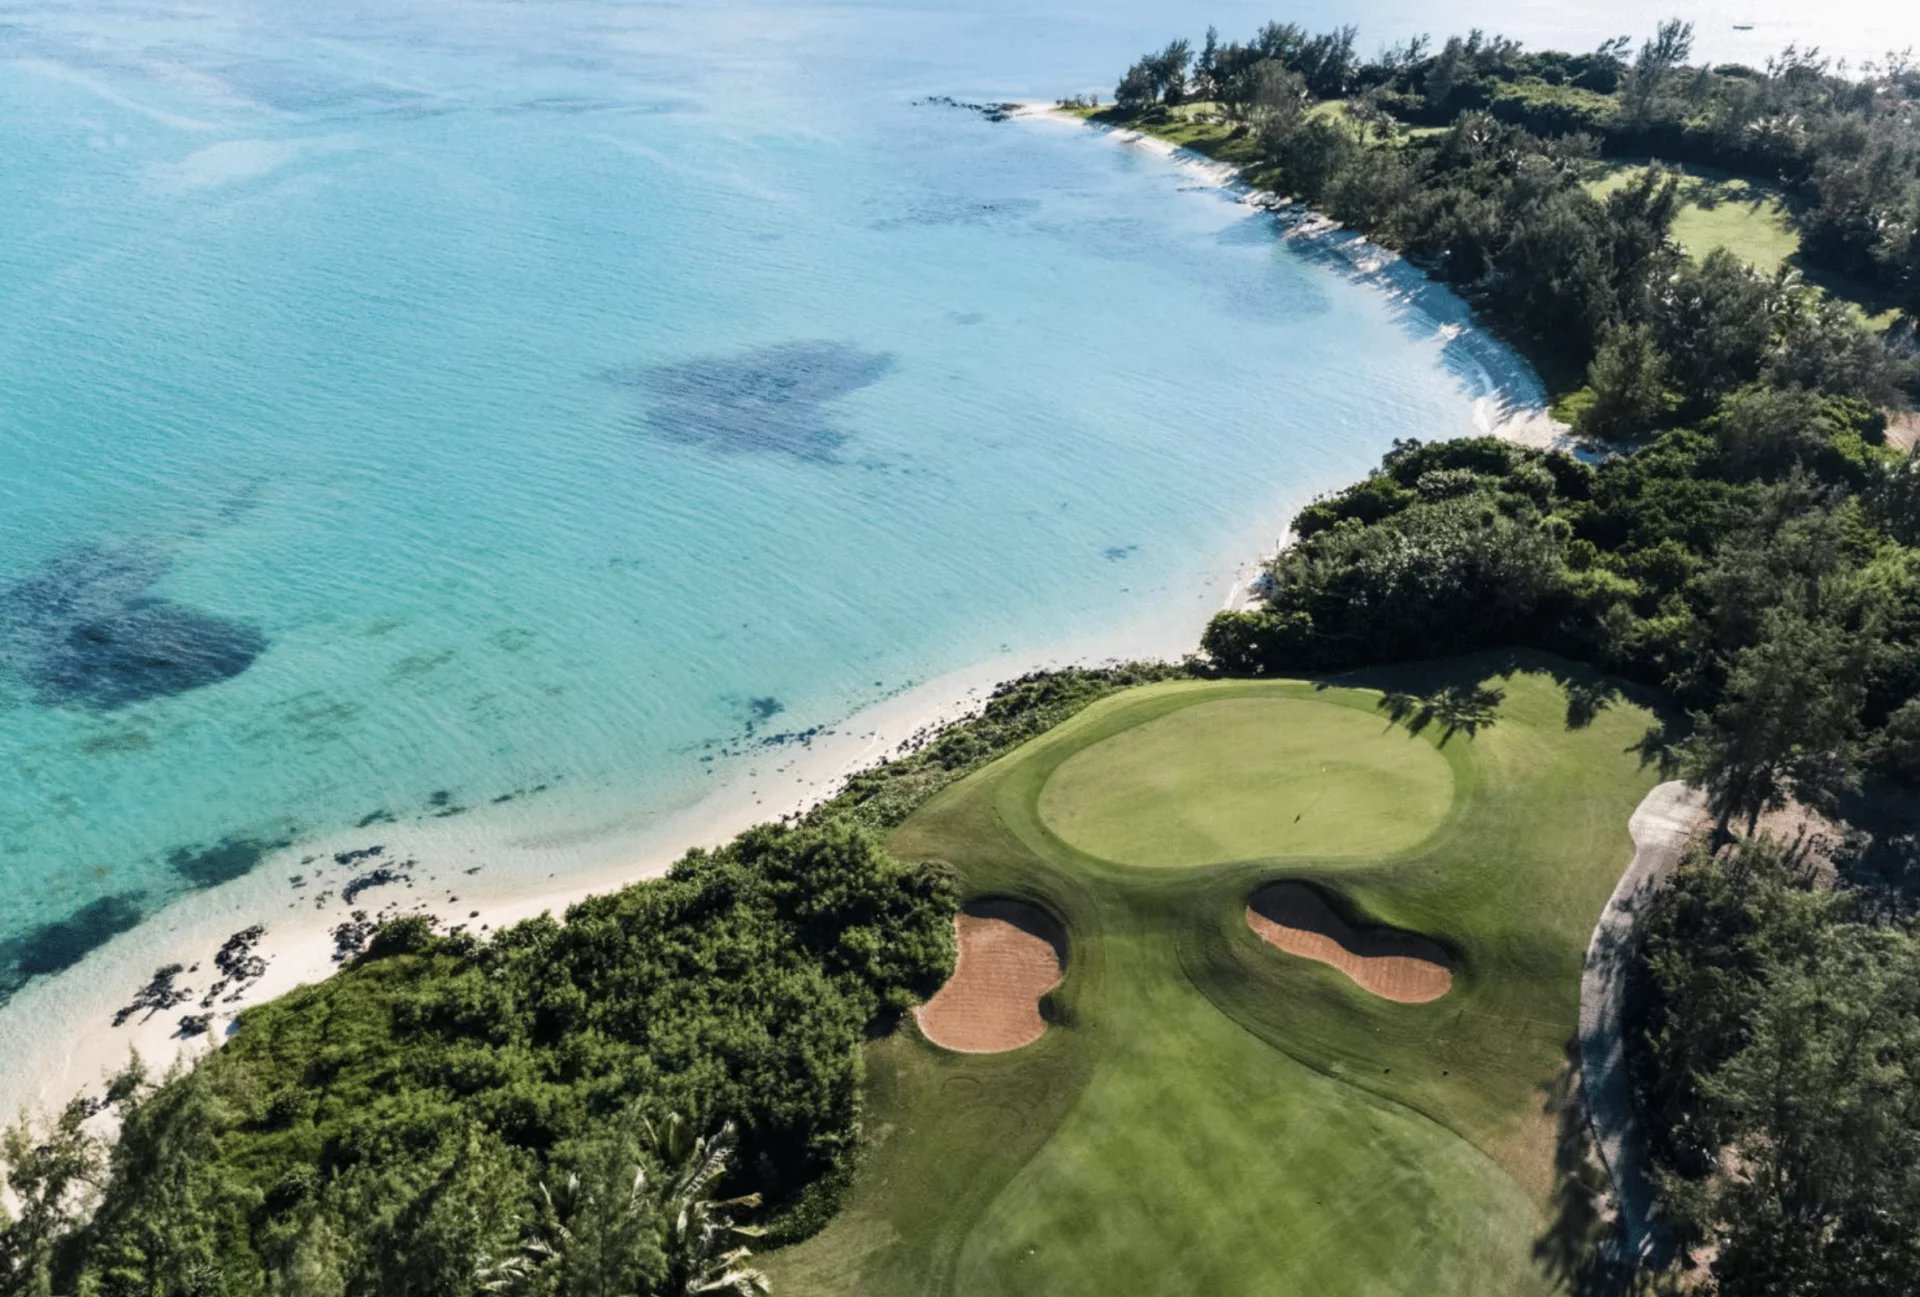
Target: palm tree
{"x":625,"y":1230}
{"x":587,"y":1241}
{"x":698,"y":1233}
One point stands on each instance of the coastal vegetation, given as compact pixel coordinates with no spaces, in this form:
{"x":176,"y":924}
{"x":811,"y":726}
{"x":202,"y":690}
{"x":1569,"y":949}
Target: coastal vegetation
{"x":1754,"y":555}
{"x":455,"y":1115}
{"x":450,"y":1114}
{"x":1754,"y":568}
{"x":1475,"y":160}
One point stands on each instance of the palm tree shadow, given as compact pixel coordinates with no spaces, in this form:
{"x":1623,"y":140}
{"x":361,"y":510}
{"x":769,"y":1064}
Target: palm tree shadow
{"x":1459,"y":687}
{"x":1457,"y":707}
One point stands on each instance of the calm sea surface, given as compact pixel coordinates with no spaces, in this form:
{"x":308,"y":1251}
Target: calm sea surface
{"x":498,"y":413}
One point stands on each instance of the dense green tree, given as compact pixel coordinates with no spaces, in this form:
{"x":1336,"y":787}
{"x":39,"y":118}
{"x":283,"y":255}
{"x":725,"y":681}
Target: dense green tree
{"x":634,"y":1214}
{"x":1135,"y":90}
{"x":597,"y":1231}
{"x":1899,"y":743}
{"x":53,"y":1175}
{"x":1169,"y":70}
{"x":1273,"y":98}
{"x":1784,"y":1077}
{"x":1660,"y":59}
{"x":1156,"y":79}
{"x":165,"y":1221}
{"x":1640,"y":216}
{"x":447,"y":1227}
{"x":1895,"y":498}
{"x":1712,"y":320}
{"x":386,"y":1132}
{"x":1788,"y":723}
{"x":1373,"y":197}
{"x":1767,"y":432}
{"x":1315,"y":156}
{"x":1628,"y":377}
{"x":1457,"y":570}
{"x":1823,"y":347}
{"x":699,"y":1237}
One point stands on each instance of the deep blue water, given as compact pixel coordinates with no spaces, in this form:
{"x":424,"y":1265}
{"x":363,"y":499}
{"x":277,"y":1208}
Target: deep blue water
{"x":494,"y":410}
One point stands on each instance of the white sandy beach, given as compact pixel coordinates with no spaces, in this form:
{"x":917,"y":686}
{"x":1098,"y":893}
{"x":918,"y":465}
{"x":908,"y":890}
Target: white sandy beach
{"x":56,"y":1035}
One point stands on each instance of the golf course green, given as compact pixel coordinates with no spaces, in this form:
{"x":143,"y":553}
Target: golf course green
{"x":1206,"y":1114}
{"x":1238,"y":778}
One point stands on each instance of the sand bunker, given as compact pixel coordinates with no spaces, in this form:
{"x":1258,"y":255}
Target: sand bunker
{"x":1395,"y":965}
{"x":1011,"y":954}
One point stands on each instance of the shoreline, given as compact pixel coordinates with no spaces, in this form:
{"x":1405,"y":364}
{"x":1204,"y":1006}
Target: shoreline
{"x":47,"y":1068}
{"x":1512,"y":404}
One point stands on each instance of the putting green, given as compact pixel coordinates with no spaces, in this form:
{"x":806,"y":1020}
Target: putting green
{"x":1206,"y":1116}
{"x":1247,"y":777}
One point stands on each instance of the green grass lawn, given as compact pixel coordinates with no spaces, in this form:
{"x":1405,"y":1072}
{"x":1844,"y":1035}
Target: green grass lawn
{"x":1198,"y":126}
{"x":1248,"y":777}
{"x":1202,"y":127}
{"x":1753,"y":221}
{"x":1720,"y":210}
{"x":1208,"y":1115}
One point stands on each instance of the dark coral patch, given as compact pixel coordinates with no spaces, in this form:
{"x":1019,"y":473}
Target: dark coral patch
{"x":223,"y":861}
{"x":52,"y":947}
{"x":771,"y":400}
{"x":962,"y":211}
{"x":85,"y":631}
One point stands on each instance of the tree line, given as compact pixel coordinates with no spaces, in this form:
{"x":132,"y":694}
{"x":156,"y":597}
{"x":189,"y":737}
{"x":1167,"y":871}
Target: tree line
{"x":1781,"y":1074}
{"x":1847,"y":147}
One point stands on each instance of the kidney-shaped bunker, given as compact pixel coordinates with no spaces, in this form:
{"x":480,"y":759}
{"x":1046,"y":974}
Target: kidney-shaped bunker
{"x":1302,"y":920}
{"x":1011,"y":954}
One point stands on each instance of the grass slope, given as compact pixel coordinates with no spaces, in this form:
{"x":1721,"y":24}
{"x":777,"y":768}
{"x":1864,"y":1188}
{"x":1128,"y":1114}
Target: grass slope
{"x":1210,"y":1116}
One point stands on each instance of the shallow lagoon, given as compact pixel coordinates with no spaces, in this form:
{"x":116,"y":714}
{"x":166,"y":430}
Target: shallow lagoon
{"x":506,"y":421}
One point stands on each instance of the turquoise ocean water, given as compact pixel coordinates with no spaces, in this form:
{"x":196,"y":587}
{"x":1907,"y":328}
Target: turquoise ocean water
{"x":499,"y":412}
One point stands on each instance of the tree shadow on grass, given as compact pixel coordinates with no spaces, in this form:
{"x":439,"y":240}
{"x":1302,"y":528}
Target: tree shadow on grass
{"x":1456,"y":707}
{"x":1589,"y":691}
{"x":1659,"y":747}
{"x":1587,"y":698}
